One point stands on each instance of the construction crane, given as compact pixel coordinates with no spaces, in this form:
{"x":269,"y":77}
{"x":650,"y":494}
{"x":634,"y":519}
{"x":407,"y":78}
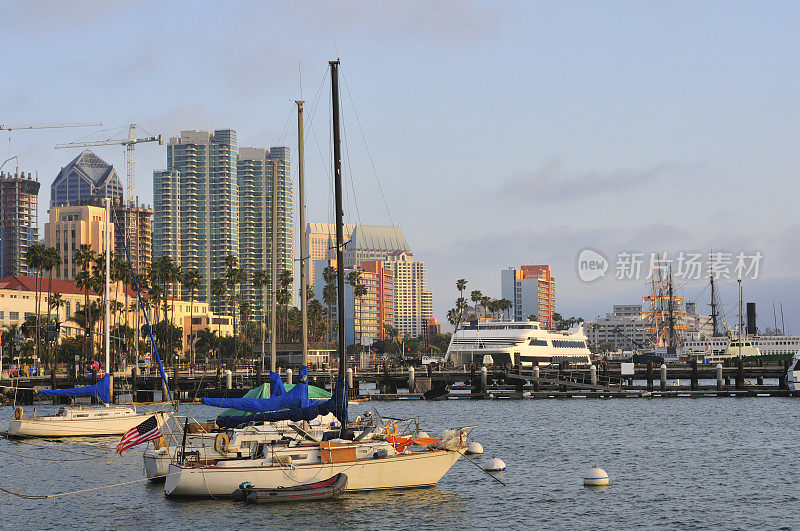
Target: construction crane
{"x":130,"y":144}
{"x":11,"y":127}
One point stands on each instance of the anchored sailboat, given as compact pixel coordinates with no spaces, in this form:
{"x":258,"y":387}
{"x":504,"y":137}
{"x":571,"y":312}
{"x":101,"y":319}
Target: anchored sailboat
{"x":80,"y":421}
{"x":379,"y":459}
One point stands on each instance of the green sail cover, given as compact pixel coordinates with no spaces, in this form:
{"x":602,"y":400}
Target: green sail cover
{"x":262,"y":391}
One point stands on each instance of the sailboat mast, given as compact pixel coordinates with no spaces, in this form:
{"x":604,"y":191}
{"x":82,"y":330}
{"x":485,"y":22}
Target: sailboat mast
{"x":274,"y":274}
{"x":337,"y":180}
{"x":303,"y":258}
{"x":108,"y":279}
{"x":740,"y":318}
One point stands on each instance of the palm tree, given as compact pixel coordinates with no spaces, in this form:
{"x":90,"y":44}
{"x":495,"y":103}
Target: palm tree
{"x":85,"y":256}
{"x":485,"y":303}
{"x":285,"y":280}
{"x":453,"y":317}
{"x":218,"y":289}
{"x":244,"y":316}
{"x":461,"y":285}
{"x":505,"y":305}
{"x":191,"y":281}
{"x":259,"y":282}
{"x":476,"y":297}
{"x":234,"y":276}
{"x":51,"y":259}
{"x":35,"y":256}
{"x":354,"y":279}
{"x":56,"y":301}
{"x":329,"y":295}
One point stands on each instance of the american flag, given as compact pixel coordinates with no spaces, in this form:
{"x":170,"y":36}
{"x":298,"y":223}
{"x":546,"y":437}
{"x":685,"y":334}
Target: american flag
{"x":146,"y":431}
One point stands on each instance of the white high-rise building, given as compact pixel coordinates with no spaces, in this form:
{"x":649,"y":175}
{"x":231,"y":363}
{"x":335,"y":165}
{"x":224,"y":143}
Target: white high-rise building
{"x":413,"y":304}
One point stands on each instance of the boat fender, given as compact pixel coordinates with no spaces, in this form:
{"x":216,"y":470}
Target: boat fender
{"x":221,"y":442}
{"x":18,"y":413}
{"x":380,"y":454}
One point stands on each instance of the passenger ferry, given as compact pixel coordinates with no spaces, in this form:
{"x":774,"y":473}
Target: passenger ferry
{"x":523,"y":343}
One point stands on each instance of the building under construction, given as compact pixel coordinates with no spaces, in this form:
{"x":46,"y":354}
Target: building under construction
{"x":19,"y":221}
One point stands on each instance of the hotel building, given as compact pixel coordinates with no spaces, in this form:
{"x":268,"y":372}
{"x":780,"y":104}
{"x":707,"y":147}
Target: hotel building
{"x":532,"y":291}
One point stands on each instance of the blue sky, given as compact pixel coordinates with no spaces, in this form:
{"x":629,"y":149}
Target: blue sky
{"x":502,"y":133}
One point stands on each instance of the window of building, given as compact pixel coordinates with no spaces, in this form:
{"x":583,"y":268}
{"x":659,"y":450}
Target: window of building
{"x":14,"y":316}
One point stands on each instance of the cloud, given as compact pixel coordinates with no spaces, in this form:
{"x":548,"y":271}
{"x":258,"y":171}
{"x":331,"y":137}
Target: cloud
{"x":553,"y":182}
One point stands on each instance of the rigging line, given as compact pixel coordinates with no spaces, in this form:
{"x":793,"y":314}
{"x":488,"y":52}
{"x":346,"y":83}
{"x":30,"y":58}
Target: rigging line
{"x":351,"y":179}
{"x":285,"y":127}
{"x":369,"y":153}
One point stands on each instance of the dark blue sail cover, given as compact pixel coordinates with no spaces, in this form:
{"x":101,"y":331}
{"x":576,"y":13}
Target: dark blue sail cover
{"x":102,"y":390}
{"x":296,"y":397}
{"x":303,"y":375}
{"x":337,"y":405}
{"x":276,"y":387}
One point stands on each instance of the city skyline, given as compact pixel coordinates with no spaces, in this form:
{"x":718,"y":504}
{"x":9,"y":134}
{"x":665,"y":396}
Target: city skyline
{"x":566,"y":127}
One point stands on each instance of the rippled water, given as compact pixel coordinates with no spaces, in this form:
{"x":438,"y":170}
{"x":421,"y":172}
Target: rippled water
{"x":674,"y":463}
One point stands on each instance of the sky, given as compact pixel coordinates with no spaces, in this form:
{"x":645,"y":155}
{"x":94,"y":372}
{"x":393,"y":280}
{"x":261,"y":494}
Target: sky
{"x":495,"y":134}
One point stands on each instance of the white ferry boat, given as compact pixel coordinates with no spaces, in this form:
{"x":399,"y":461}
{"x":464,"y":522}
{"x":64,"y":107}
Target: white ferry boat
{"x":721,"y":347}
{"x":523,"y":343}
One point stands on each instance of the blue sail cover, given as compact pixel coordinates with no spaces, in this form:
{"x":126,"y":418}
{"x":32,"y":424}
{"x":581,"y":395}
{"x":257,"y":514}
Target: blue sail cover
{"x":296,"y":397}
{"x":337,"y":405}
{"x":303,"y":375}
{"x":102,"y":390}
{"x":275,"y":385}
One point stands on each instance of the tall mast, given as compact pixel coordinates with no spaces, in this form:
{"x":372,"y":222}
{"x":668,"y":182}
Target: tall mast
{"x":303,"y":257}
{"x":740,"y":318}
{"x":108,"y":279}
{"x":713,"y":305}
{"x":274,"y":273}
{"x":337,"y":180}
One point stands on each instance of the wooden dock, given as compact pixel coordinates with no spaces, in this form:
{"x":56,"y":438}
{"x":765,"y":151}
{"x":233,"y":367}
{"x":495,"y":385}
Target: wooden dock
{"x":605,"y":381}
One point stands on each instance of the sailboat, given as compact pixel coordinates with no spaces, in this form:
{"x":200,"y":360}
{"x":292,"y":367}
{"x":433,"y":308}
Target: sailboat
{"x":80,"y":421}
{"x":385,"y":458}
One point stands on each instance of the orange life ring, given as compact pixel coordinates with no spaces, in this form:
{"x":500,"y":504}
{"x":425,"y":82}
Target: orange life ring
{"x":18,"y":413}
{"x":393,"y":430}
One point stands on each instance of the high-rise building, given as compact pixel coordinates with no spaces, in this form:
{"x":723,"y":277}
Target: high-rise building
{"x":413,"y":303}
{"x":366,"y":316}
{"x":532,"y":291}
{"x":139,"y":240}
{"x":86,"y":177}
{"x":321,"y":243}
{"x":371,"y":242}
{"x":257,"y":171}
{"x":19,"y":222}
{"x":72,"y":226}
{"x":196,"y":207}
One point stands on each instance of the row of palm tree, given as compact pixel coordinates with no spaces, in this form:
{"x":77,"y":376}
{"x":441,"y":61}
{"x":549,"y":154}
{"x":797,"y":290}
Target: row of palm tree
{"x":492,"y":306}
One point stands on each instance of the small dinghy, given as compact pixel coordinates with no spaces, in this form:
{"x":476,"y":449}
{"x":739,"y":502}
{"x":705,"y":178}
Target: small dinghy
{"x":322,"y":490}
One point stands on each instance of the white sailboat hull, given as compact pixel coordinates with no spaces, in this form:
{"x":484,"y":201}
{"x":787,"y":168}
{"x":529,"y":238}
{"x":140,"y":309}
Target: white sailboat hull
{"x":416,"y":469}
{"x":73,"y":427}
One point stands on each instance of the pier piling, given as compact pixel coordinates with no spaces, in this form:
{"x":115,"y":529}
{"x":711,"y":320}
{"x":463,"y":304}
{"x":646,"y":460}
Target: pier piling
{"x":663,"y":377}
{"x":719,"y":377}
{"x":694,"y":383}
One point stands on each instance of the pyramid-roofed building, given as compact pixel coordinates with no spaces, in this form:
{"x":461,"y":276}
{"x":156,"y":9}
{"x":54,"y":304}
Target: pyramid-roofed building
{"x":86,"y":177}
{"x":372,"y":242}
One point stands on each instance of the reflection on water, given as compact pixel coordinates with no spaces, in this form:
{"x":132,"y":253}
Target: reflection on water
{"x":674,"y":463}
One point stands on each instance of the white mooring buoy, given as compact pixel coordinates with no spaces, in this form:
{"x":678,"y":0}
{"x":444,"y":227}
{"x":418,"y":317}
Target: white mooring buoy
{"x":596,"y":477}
{"x":474,"y":448}
{"x":494,"y":465}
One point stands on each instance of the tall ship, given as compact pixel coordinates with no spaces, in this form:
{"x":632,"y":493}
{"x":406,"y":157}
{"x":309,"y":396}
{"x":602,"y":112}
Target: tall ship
{"x":522,"y":343}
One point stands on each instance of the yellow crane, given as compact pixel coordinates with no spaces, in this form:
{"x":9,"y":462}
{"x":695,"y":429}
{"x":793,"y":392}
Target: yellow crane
{"x":130,"y":144}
